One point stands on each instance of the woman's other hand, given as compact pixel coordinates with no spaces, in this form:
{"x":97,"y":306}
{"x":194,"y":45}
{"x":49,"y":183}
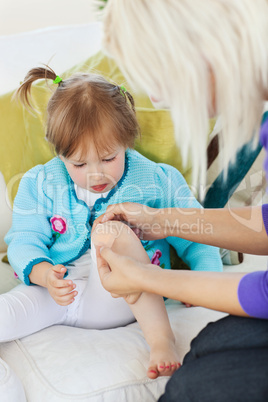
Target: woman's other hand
{"x":143,"y":220}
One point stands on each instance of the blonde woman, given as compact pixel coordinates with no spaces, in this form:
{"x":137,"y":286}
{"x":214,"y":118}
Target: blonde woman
{"x":201,"y":58}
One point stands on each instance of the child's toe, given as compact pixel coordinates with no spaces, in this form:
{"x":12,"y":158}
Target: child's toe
{"x":161,"y":367}
{"x":174,"y":366}
{"x":152,"y":372}
{"x":167,"y":370}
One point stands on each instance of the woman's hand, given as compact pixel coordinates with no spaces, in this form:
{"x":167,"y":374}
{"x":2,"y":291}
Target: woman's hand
{"x":126,"y":277}
{"x":143,"y":220}
{"x":61,"y":290}
{"x":120,"y":275}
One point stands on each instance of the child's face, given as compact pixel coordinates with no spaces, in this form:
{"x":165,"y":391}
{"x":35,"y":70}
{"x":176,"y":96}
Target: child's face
{"x":97,"y":173}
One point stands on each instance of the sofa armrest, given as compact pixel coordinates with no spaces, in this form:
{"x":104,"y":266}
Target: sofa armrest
{"x":5,"y":213}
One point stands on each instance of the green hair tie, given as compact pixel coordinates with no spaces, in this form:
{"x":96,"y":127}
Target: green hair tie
{"x":57,"y":80}
{"x":122,"y":90}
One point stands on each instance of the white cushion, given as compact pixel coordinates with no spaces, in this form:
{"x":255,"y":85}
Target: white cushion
{"x":63,"y":363}
{"x":11,"y":388}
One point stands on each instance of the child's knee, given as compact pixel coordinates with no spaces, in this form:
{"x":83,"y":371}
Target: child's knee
{"x":121,"y":230}
{"x":121,"y":239}
{"x":112,"y":232}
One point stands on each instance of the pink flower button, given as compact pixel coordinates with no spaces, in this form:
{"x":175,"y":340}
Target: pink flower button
{"x":59,"y":224}
{"x":155,"y":258}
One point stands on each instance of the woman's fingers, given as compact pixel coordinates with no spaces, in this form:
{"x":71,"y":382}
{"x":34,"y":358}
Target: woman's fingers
{"x":127,"y":212}
{"x":97,"y":221}
{"x":103,"y":266}
{"x":110,"y":266}
{"x":131,"y":299}
{"x":109,"y":216}
{"x":142,"y":219}
{"x":115,"y":295}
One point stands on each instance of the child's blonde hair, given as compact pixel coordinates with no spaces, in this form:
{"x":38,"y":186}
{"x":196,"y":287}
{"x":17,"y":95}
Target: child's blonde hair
{"x":171,"y":48}
{"x":79,"y":109}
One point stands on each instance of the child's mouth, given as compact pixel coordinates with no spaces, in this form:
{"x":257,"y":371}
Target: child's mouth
{"x":100,"y":187}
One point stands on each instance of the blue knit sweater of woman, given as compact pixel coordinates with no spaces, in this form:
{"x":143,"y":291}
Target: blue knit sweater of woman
{"x":47,"y":191}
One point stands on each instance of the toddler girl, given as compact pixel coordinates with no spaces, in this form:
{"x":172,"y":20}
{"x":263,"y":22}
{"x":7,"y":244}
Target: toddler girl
{"x":92,"y":126}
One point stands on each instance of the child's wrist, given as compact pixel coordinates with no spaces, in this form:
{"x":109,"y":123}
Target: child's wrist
{"x":46,"y":276}
{"x":39,"y":273}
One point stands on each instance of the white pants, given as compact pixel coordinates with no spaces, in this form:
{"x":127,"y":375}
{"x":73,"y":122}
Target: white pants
{"x":28,"y":309}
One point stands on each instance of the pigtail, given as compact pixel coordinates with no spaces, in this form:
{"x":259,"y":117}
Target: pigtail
{"x":128,"y":97}
{"x":24,"y":91}
{"x":121,"y":92}
{"x":131,"y":100}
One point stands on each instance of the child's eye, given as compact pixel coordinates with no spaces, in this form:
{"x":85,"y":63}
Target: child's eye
{"x":109,"y":160}
{"x":79,"y":166}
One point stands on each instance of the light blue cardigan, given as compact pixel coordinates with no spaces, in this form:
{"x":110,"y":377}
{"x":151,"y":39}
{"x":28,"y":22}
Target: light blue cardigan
{"x":47,"y":191}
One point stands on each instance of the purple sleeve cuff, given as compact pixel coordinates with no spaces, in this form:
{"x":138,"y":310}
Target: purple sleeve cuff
{"x":253,"y":294}
{"x":265,"y":216}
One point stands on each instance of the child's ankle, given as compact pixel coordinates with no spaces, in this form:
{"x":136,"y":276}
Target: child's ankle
{"x":162,"y":339}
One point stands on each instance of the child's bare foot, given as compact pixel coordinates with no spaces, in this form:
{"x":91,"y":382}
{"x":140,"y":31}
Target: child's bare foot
{"x":163,"y":360}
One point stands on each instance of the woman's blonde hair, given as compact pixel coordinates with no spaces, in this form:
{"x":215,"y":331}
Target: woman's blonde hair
{"x":79,"y":110}
{"x":175,"y":48}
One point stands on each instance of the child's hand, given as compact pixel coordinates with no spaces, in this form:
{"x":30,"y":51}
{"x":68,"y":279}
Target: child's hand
{"x":61,"y":290}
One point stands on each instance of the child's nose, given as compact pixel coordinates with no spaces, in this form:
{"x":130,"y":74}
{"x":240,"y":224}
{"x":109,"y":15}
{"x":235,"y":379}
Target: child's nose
{"x":96,"y":175}
{"x":99,"y":176}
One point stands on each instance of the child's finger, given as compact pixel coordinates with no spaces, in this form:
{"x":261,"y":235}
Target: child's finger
{"x":64,"y":291}
{"x":62,"y":283}
{"x":59,"y":269}
{"x":67,"y":299}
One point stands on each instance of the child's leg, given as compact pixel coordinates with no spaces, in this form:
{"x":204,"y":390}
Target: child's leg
{"x":27,"y":309}
{"x":149,"y":310}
